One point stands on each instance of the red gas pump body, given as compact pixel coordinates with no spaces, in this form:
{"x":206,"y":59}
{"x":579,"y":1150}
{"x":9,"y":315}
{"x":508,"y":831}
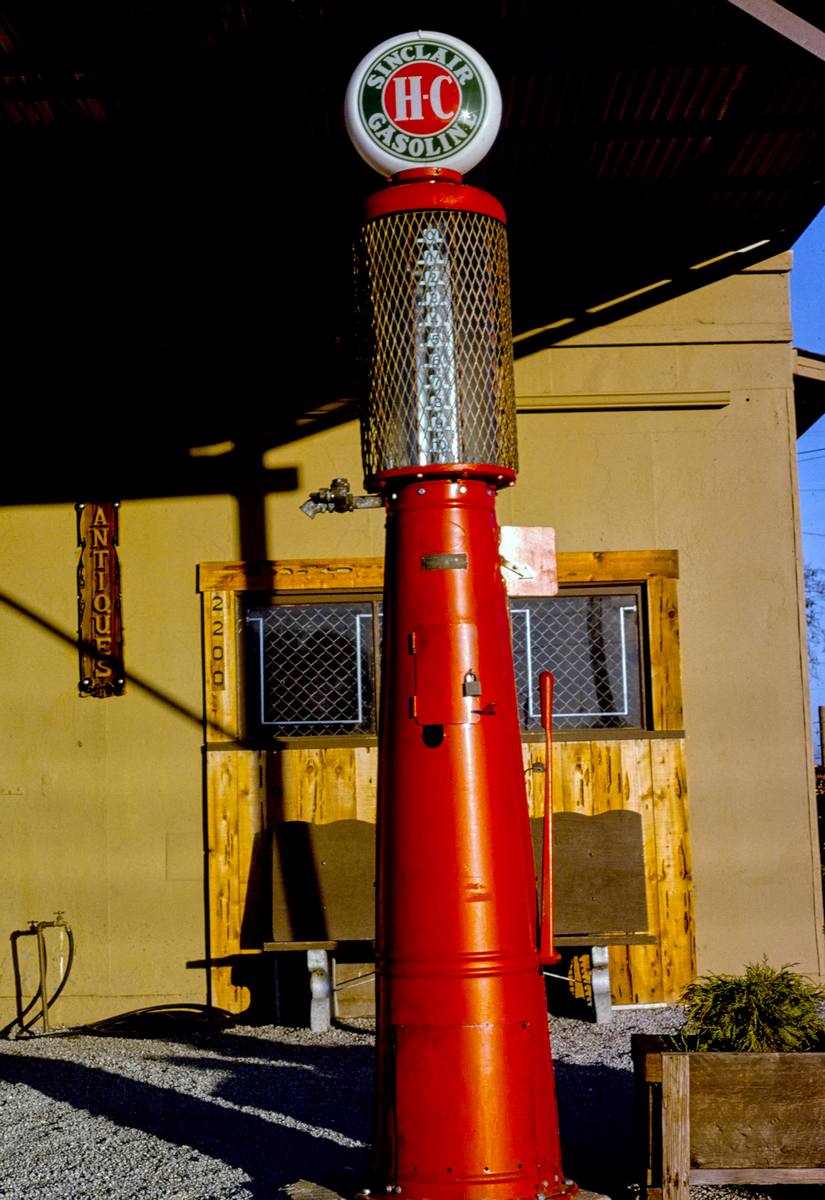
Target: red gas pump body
{"x":465,"y":1098}
{"x":466,"y":1103}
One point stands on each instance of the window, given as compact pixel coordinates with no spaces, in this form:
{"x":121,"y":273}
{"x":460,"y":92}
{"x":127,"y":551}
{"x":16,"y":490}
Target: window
{"x":312,"y":666}
{"x":591,"y":643}
{"x":311,"y":669}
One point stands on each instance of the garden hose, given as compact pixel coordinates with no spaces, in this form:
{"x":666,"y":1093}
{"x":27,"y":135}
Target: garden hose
{"x":157,"y":1020}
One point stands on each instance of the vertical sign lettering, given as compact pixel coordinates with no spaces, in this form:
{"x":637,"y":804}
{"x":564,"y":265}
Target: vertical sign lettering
{"x":100,"y":625}
{"x":217,"y":621}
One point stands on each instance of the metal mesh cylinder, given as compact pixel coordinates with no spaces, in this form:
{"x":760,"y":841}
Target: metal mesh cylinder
{"x":435,"y":298}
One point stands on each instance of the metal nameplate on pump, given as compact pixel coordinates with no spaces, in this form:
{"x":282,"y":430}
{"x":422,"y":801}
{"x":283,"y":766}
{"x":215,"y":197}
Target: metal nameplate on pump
{"x":444,"y":562}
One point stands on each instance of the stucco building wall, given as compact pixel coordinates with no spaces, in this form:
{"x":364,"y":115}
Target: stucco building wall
{"x":719,"y":485}
{"x":102,"y":801}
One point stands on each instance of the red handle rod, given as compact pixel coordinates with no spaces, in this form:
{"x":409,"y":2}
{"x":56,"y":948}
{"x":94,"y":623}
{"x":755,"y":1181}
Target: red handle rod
{"x":547,"y":950}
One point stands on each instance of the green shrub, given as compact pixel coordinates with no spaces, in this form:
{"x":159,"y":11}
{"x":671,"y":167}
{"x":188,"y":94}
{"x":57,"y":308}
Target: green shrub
{"x":763,"y":1010}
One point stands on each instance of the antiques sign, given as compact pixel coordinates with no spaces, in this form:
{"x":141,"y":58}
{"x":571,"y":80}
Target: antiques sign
{"x":100,"y":625}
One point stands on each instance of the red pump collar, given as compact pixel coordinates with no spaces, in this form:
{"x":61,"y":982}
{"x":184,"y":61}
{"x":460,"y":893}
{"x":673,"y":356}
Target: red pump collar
{"x":431,"y":188}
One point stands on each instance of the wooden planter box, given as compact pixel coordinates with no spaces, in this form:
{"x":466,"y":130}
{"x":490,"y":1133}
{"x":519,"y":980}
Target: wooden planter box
{"x":717,"y":1118}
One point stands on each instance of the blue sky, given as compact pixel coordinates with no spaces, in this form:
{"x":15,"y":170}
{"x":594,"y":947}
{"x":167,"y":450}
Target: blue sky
{"x":808,"y":315}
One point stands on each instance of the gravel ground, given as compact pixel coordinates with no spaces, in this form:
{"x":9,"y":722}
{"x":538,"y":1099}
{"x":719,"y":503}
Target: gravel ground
{"x":247,"y":1111}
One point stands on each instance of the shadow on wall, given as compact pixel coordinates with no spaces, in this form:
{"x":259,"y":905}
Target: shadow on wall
{"x":257,"y":973}
{"x":70,"y":639}
{"x":138,"y":682}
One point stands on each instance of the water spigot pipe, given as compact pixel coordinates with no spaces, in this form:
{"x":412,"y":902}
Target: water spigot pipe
{"x":23,"y":1021}
{"x":338,"y":497}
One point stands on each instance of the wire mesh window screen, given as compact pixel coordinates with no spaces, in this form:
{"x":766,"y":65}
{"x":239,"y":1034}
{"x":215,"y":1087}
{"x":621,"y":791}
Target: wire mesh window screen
{"x":591,"y":644}
{"x":312,"y":669}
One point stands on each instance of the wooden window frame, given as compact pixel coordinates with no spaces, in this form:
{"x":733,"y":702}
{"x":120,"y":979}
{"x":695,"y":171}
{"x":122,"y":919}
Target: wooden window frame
{"x":246,"y":790}
{"x":591,"y":732}
{"x":259,"y":741}
{"x":226,"y":586}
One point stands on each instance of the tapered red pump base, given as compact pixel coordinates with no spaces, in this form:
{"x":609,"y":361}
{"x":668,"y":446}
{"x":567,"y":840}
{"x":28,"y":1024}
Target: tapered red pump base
{"x":465,"y":1094}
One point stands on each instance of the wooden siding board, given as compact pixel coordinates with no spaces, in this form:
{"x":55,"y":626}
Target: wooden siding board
{"x":252,"y":853}
{"x":606,"y":763}
{"x":608,"y":796}
{"x":224,"y":901}
{"x":336,"y":797}
{"x":529,"y":751}
{"x":238,"y":886}
{"x":602,"y":566}
{"x":665,"y":658}
{"x":300,"y":777}
{"x":535,"y":764}
{"x":616,"y":566}
{"x":674,"y":867}
{"x":573,"y":780}
{"x":570,"y":780}
{"x":366,"y":783}
{"x":641,"y":978}
{"x":220,"y":650}
{"x":288,"y":575}
{"x":318,"y":784}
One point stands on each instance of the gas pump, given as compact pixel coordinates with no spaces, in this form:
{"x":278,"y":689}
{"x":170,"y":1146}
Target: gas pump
{"x":465,"y":1099}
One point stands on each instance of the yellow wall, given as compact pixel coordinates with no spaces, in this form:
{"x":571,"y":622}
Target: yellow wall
{"x":103,"y":799}
{"x":718,"y":485}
